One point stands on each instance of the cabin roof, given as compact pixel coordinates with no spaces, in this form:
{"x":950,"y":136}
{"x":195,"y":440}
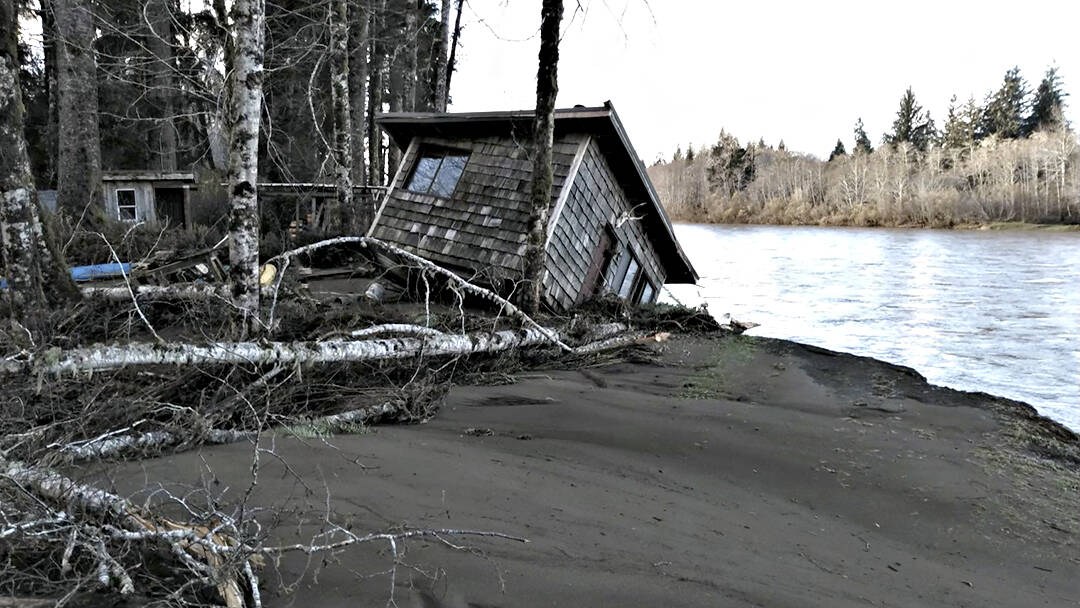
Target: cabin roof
{"x":148,"y":176}
{"x":602,"y":123}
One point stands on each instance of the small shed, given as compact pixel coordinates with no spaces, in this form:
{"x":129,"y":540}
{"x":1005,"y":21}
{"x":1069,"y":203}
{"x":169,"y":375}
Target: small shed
{"x":149,"y":196}
{"x":461,"y":198}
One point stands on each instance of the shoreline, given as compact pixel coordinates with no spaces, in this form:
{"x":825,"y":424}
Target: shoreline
{"x":734,"y":471}
{"x":997,"y":226}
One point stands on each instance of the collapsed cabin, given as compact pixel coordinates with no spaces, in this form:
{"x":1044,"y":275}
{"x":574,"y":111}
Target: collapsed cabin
{"x":461,"y":195}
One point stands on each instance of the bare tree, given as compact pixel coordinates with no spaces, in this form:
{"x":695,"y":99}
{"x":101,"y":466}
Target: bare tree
{"x":340,"y":99}
{"x":439,"y":63}
{"x":547,"y":88}
{"x":453,"y":53}
{"x":163,"y":142}
{"x":34,"y":271}
{"x":79,"y":148}
{"x":359,"y":45}
{"x":245,"y":100}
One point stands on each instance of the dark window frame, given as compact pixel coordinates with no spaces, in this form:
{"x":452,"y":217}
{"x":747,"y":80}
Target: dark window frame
{"x":427,"y":152}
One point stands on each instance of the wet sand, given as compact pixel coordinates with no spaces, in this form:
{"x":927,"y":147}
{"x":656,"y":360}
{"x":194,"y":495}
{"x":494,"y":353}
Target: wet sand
{"x":739,"y":472}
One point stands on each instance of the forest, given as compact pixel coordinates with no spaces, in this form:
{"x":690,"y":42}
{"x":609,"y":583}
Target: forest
{"x":1011,"y":158}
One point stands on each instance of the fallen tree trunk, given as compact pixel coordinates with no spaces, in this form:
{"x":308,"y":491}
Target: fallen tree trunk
{"x":155,"y":292}
{"x":97,"y":514}
{"x":429,"y":266}
{"x":300,"y":353}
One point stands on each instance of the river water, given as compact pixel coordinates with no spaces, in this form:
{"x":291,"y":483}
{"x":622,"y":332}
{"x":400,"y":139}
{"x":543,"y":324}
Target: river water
{"x":993,"y":311}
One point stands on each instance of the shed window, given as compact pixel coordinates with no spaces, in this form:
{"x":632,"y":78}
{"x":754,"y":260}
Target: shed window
{"x":437,"y":172}
{"x":648,"y":292}
{"x":126,"y":209}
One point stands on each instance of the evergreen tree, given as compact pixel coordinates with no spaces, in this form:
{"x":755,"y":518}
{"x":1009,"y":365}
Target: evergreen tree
{"x":839,"y":150}
{"x":912,"y":124}
{"x":690,"y":153}
{"x":1005,"y":109}
{"x":1046,"y":109}
{"x":862,"y":140}
{"x":781,"y":146}
{"x":956,"y":127}
{"x":678,"y":154}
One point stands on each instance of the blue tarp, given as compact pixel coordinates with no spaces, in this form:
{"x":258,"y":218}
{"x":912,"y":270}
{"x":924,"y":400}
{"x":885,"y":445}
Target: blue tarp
{"x":89,"y":273}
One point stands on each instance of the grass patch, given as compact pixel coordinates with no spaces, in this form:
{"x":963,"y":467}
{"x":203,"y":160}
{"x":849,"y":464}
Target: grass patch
{"x":322,"y":429}
{"x":716,"y":380}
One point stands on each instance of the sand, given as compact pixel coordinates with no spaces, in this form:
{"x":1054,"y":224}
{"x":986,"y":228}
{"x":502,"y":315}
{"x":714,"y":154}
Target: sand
{"x":739,"y":472}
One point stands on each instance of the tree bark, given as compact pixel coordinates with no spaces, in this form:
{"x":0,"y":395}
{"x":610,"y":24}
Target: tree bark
{"x":377,"y":67}
{"x":48,"y":36}
{"x":34,"y":270}
{"x":547,"y":88}
{"x":360,"y":27}
{"x":441,"y":43}
{"x":409,"y":81}
{"x":163,"y":142}
{"x":245,"y":97}
{"x":396,"y":87}
{"x":79,"y":147}
{"x":453,"y":54}
{"x":340,"y":100}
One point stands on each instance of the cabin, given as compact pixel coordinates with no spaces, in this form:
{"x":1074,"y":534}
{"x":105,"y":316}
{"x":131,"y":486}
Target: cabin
{"x":460,"y":198}
{"x":149,"y":196}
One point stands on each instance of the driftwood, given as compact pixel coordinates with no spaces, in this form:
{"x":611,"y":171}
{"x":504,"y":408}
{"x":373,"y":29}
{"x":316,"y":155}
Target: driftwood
{"x":95,"y":514}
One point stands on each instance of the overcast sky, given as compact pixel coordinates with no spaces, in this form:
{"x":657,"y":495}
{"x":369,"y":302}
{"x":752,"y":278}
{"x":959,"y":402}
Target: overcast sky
{"x":679,"y":71}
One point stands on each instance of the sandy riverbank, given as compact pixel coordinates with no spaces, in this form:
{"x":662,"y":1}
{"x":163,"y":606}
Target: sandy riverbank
{"x":741,"y":472}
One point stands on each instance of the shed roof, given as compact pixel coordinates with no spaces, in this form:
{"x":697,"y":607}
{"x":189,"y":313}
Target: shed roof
{"x":600,"y":122}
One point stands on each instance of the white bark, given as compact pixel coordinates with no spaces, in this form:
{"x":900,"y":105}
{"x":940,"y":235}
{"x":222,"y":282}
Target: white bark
{"x":340,"y":100}
{"x":245,"y":99}
{"x":155,"y":292}
{"x":279,"y":353}
{"x":457,"y":281}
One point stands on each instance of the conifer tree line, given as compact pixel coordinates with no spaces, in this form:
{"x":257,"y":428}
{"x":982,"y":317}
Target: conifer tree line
{"x":140,"y":85}
{"x":1011,"y":157}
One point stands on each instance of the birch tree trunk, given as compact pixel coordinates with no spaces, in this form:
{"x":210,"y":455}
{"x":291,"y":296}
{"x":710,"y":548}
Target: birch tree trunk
{"x":245,"y":100}
{"x":163,"y":135}
{"x":358,"y":74}
{"x":395,"y":87}
{"x":547,"y":88}
{"x":48,"y":37}
{"x":340,"y":99}
{"x":35,"y":273}
{"x":441,"y":42}
{"x":79,"y":139}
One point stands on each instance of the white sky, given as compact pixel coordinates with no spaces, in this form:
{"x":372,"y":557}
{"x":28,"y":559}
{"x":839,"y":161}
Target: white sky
{"x":679,"y":71}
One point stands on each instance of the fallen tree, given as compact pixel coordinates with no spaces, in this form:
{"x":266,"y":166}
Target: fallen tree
{"x":104,"y":357}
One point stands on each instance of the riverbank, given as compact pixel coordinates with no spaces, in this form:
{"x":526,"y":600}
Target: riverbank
{"x":847,"y":223}
{"x":736,"y":472}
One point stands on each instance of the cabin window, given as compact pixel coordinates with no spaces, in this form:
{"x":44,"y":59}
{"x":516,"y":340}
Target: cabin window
{"x":437,"y":172}
{"x":648,"y":292}
{"x":626,"y":287}
{"x":126,"y":209}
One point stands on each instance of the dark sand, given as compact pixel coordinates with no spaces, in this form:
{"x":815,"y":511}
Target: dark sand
{"x":743,"y":472}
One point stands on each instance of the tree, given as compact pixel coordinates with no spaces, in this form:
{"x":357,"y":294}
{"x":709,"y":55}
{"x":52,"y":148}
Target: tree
{"x":1005,"y":109}
{"x":79,"y":149}
{"x":862,"y":140}
{"x":690,"y":153}
{"x":341,"y":102}
{"x":839,"y":150}
{"x":359,"y":45}
{"x":34,"y":269}
{"x":547,"y":88}
{"x":442,"y":41}
{"x":1048,"y":106}
{"x":245,"y":113}
{"x":163,"y":143}
{"x":912,"y":124}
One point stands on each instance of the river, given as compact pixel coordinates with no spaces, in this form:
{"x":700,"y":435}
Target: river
{"x":993,"y":311}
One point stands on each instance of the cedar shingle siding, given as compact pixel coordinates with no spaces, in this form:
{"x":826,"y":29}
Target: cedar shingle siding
{"x":607,"y":208}
{"x":481,"y":228}
{"x":596,"y":200}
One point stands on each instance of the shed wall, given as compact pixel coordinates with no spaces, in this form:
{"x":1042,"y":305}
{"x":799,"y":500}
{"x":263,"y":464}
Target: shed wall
{"x":482,"y":227}
{"x":596,"y":200}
